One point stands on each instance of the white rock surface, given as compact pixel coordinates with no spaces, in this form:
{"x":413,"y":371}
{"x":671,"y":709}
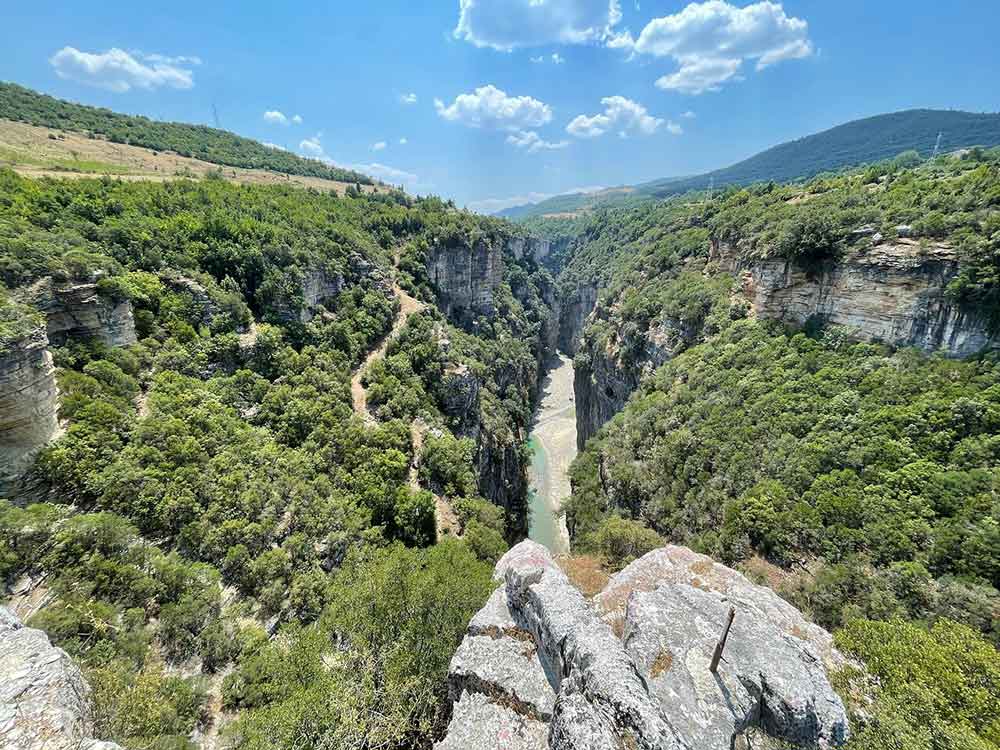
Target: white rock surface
{"x":631,"y":669}
{"x":44,"y":700}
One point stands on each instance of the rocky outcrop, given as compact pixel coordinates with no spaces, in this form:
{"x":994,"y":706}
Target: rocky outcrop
{"x":892,"y":292}
{"x":459,"y":396}
{"x":541,"y":667}
{"x":575,"y":308}
{"x":76,"y":310}
{"x":44,"y":700}
{"x":319,"y":286}
{"x":466,"y":278}
{"x":29,"y":402}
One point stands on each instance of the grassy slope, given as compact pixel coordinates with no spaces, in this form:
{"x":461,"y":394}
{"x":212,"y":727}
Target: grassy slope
{"x":197,"y":141}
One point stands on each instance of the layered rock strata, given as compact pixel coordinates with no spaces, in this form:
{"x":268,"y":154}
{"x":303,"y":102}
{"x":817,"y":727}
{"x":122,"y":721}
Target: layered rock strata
{"x":892,"y":292}
{"x":29,"y":402}
{"x":541,"y":667}
{"x":75,"y":310}
{"x":44,"y":700}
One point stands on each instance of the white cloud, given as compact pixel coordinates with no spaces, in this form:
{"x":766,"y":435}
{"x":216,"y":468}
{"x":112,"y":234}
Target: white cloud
{"x":380,"y":146}
{"x":531,"y":142}
{"x":275,"y":146}
{"x":619,"y":113}
{"x":275,"y":117}
{"x":297,"y":119}
{"x":119,"y":71}
{"x":674,"y":128}
{"x":538,"y":60}
{"x":710,"y":40}
{"x":557,"y":58}
{"x":410,"y":98}
{"x":488,"y":106}
{"x":312,"y":147}
{"x":387,"y":174}
{"x":698,"y":75}
{"x":689,"y":115}
{"x":507,"y":24}
{"x":403,"y":141}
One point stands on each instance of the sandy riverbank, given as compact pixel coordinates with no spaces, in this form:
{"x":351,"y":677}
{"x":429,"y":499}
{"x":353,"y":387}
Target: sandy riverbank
{"x":553,"y":440}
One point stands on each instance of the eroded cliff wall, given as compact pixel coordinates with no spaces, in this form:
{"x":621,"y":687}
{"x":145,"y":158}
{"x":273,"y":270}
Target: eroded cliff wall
{"x":893,"y":292}
{"x":29,"y":402}
{"x":76,"y":310}
{"x":466,"y":281}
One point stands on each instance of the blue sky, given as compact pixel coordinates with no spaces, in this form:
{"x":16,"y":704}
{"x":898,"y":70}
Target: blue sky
{"x":492,"y":102}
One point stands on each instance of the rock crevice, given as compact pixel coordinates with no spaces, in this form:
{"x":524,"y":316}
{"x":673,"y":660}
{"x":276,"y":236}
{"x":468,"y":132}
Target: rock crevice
{"x":542,"y":667}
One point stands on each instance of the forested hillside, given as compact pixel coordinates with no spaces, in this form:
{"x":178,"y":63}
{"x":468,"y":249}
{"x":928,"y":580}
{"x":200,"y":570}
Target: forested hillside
{"x":856,"y":479}
{"x":866,"y":141}
{"x":218,"y":529}
{"x":197,"y":141}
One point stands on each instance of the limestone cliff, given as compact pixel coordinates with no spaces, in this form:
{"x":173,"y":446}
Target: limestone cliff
{"x":29,"y":401}
{"x":893,"y":292}
{"x":44,"y":700}
{"x":466,"y":279}
{"x":575,"y":307}
{"x":76,"y":310}
{"x":541,"y":667}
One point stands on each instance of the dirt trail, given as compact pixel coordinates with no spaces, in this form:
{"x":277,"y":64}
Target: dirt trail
{"x":407,"y":307}
{"x":447,"y":521}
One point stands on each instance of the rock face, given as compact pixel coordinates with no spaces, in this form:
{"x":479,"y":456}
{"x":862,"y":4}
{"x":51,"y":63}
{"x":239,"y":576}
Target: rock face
{"x":466,"y":278}
{"x":541,"y":667}
{"x":29,"y":402}
{"x":44,"y":700}
{"x":320,"y":285}
{"x":575,"y":308}
{"x":890,"y":292}
{"x":603,"y":379}
{"x":75,"y":310}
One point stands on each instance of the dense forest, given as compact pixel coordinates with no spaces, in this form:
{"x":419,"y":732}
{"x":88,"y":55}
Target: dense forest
{"x":218,"y":530}
{"x":218,"y":527}
{"x":867,"y":141}
{"x":196,"y":141}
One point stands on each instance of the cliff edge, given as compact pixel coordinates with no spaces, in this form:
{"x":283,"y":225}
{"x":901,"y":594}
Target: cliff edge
{"x":543,"y":667}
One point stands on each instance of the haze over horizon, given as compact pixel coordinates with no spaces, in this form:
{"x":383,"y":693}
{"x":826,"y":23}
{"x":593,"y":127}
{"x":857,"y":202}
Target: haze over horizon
{"x":521,"y":100}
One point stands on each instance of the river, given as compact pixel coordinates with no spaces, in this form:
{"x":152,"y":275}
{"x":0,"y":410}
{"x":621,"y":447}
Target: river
{"x":553,"y":445}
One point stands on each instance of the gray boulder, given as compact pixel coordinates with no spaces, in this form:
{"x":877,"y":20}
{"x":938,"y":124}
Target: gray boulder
{"x":631,"y":668}
{"x":44,"y":700}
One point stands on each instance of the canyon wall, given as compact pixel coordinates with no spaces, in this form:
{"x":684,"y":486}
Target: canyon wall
{"x":76,"y":310}
{"x":29,"y":402}
{"x":575,"y":307}
{"x":466,"y":280}
{"x":892,"y":292}
{"x":605,"y":373}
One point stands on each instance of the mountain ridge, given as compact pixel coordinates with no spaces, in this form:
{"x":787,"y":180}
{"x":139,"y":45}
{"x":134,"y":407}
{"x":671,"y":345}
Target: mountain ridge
{"x":849,"y":144}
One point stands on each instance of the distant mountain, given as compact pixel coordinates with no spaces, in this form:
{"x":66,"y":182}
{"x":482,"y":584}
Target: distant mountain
{"x":858,"y":142}
{"x":196,"y":141}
